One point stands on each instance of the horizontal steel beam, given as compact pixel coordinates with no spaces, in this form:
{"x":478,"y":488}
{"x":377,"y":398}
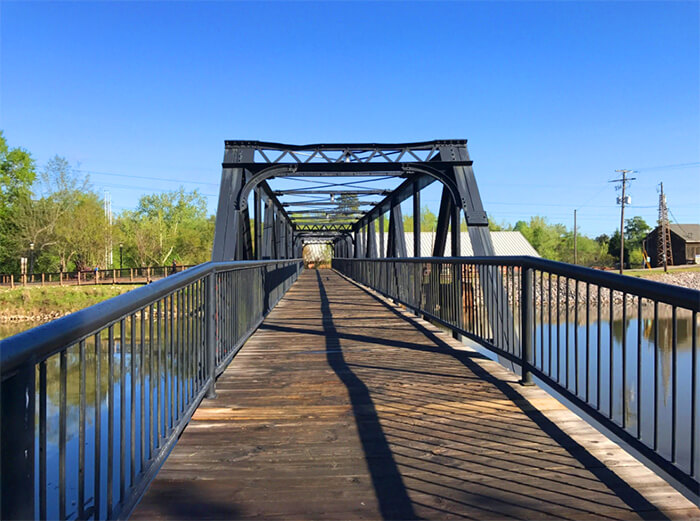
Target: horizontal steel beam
{"x":338,"y":193}
{"x":330,"y":211}
{"x":322,"y":228}
{"x":348,"y":169}
{"x":418,"y":145}
{"x":323,"y":203}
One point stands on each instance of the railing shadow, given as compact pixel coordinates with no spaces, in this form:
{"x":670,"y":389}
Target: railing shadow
{"x":617,"y":486}
{"x":392,"y":496}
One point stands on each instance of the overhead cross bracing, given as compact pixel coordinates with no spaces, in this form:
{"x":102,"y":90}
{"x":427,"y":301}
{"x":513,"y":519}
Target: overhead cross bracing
{"x":359,"y":185}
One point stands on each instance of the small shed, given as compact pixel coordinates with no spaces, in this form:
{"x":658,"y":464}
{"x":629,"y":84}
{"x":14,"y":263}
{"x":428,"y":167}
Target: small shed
{"x":685,"y":244}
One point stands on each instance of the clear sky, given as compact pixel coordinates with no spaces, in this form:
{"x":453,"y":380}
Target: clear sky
{"x":552,"y":96}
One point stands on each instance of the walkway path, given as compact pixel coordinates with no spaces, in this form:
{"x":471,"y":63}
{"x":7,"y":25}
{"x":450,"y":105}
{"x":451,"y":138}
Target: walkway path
{"x":343,"y":407}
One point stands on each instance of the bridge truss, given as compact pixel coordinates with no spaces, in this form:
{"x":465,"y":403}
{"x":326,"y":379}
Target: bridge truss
{"x":281,"y":226}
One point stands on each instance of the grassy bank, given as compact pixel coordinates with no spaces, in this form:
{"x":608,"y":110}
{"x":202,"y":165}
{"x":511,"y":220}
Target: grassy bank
{"x":39,"y":302}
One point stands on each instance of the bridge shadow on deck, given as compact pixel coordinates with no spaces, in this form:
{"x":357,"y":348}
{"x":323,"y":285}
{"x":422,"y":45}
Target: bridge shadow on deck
{"x":439,"y":436}
{"x":393,"y":499}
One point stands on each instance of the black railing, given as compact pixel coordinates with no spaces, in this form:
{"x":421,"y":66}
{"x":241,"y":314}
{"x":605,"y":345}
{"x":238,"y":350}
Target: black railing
{"x":93,"y":402}
{"x":621,"y":349}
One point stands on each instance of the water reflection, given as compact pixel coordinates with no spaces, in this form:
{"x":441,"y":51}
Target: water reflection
{"x":146,"y":369}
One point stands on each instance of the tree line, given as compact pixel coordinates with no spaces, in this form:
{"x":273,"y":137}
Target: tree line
{"x":57,"y":210}
{"x":54,"y":216}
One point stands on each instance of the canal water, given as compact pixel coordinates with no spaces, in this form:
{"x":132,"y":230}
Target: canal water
{"x":655,"y":363}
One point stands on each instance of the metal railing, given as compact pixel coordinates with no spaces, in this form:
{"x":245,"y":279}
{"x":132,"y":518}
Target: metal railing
{"x":138,"y":275}
{"x":621,"y":349}
{"x":93,"y":402}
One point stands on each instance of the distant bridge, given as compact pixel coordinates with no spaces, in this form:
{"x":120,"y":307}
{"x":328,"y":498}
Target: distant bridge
{"x":249,"y":387}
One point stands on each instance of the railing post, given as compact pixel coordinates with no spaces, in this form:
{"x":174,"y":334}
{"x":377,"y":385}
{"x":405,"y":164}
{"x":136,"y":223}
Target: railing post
{"x":210,"y":310}
{"x":526,"y":324}
{"x":17,"y":433}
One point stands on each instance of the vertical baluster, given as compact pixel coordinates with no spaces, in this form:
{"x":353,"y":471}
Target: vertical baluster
{"x":539,"y":361}
{"x":62,"y":435}
{"x":566,"y":333}
{"x":178,"y":360}
{"x":693,"y":391}
{"x":142,"y":405}
{"x":110,"y":420}
{"x":674,"y":378}
{"x":132,"y":422}
{"x":159,"y":390}
{"x":598,"y":351}
{"x":190,"y":342}
{"x":549,"y":323}
{"x":151,"y":383}
{"x":81,"y":428}
{"x":656,"y":376}
{"x":98,"y":434}
{"x":587,"y":365}
{"x":171,"y":372}
{"x":514,"y":307}
{"x":122,"y":409}
{"x":42,"y":440}
{"x":624,"y":360}
{"x":198,"y":339}
{"x":576,"y":361}
{"x":639,"y":367}
{"x":558,"y":329}
{"x":611,"y":357}
{"x":180,"y":351}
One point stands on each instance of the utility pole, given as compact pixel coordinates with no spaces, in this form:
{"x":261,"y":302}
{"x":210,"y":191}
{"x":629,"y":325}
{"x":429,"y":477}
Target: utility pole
{"x":622,"y":200}
{"x":575,"y":242}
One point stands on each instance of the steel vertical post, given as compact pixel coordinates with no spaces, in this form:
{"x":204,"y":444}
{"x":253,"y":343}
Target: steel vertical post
{"x":526,"y":295}
{"x":17,"y":430}
{"x":211,"y":333}
{"x":416,"y":220}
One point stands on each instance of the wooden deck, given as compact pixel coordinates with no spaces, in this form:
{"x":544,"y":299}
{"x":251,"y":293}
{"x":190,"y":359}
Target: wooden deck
{"x":344,"y":407}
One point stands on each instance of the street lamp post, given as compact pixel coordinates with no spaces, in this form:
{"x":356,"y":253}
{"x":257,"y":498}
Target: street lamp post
{"x":31,"y":259}
{"x":121,"y":247}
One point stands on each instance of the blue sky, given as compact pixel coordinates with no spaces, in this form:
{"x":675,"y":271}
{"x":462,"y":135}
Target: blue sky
{"x":552,"y":96}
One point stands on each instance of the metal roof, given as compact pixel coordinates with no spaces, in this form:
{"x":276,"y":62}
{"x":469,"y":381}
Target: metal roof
{"x":688,"y":232}
{"x":504,"y":243}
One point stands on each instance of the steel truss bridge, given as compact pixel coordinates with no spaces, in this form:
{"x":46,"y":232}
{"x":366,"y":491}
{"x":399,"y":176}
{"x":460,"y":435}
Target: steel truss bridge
{"x":363,"y":393}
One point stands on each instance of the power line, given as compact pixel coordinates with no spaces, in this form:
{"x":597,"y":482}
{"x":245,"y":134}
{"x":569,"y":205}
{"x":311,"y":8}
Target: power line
{"x":677,"y":166}
{"x":145,"y":177}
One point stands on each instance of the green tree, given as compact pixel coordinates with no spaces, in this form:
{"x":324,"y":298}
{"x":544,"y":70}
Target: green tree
{"x":348,"y":202}
{"x":636,"y":229}
{"x":166,"y":227}
{"x":17,"y":174}
{"x":544,"y":237}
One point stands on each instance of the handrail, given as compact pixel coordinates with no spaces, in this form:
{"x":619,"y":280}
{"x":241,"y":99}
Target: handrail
{"x":47,"y":339}
{"x":651,"y":289}
{"x":162,"y":345}
{"x":520,"y":308}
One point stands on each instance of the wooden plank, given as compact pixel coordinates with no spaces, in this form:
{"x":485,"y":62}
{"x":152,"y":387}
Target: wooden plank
{"x":339,"y":407}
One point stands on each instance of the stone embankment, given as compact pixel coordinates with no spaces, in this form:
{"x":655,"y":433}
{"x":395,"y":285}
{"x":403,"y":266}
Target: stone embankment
{"x":542,"y":291}
{"x":564,"y":294}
